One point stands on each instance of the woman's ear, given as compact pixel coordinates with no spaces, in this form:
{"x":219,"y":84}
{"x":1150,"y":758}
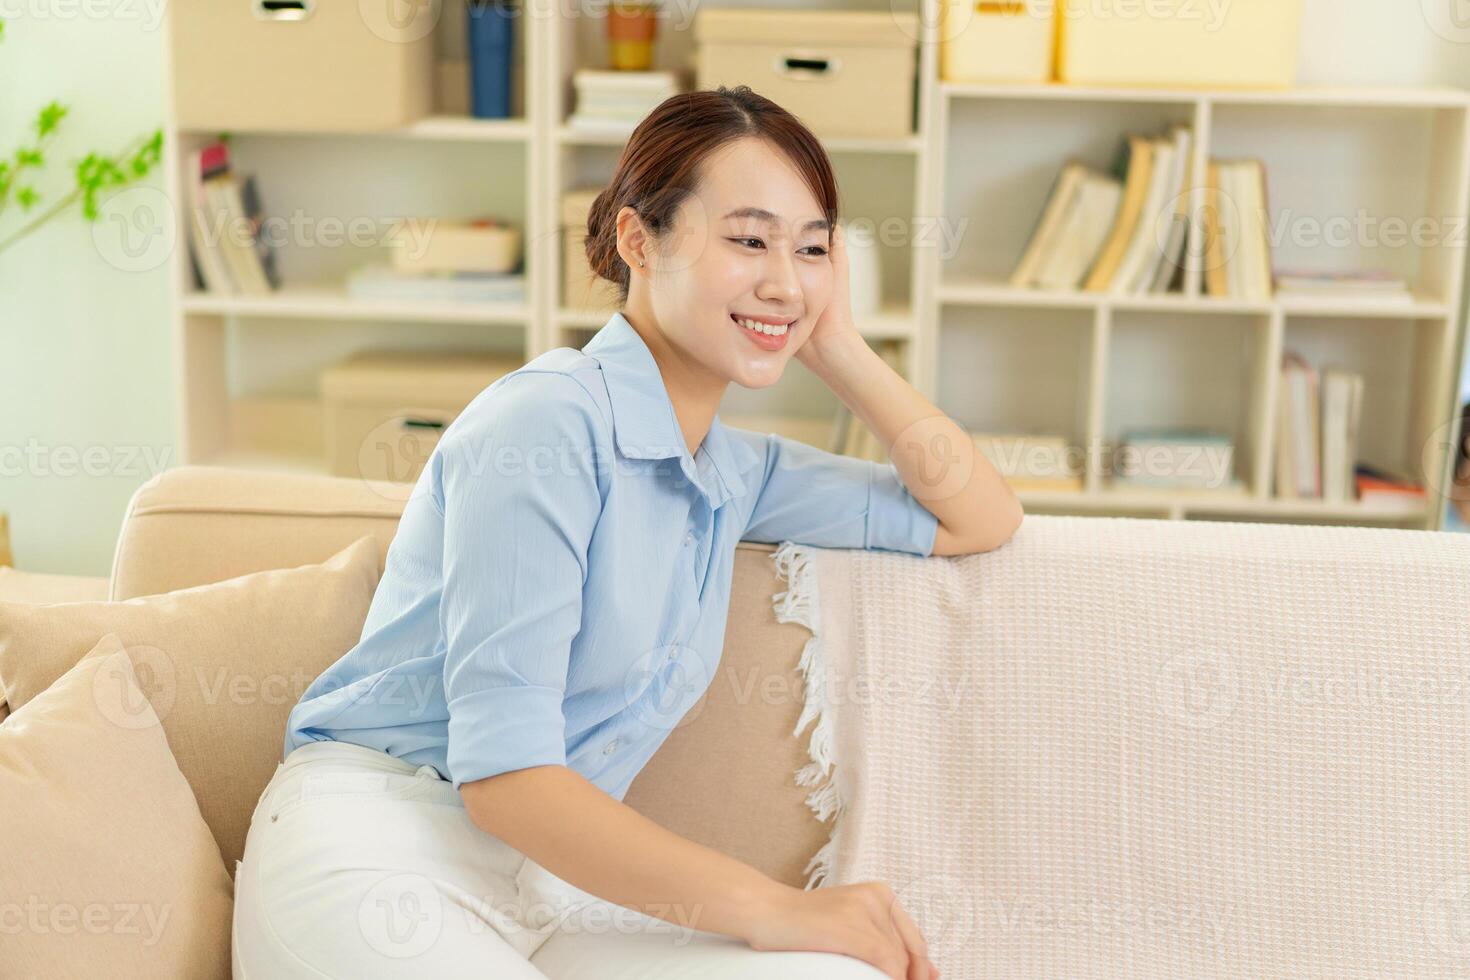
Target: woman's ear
{"x":633,"y":238}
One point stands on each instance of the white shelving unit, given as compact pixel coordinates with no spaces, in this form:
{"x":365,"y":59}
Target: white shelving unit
{"x":980,"y":163}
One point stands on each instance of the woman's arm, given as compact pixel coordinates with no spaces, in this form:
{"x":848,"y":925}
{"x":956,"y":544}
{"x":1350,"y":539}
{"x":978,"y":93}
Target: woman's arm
{"x":935,"y":457}
{"x":579,"y":833}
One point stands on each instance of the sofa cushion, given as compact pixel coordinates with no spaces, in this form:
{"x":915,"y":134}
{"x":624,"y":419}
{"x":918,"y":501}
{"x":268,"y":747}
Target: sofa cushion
{"x":111,"y":870}
{"x":222,"y":664}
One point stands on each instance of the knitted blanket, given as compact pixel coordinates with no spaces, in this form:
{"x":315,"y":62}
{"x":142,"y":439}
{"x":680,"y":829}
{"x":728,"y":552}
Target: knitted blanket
{"x":1135,"y":748}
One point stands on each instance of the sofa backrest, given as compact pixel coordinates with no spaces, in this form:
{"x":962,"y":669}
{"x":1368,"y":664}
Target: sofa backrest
{"x":725,"y":778}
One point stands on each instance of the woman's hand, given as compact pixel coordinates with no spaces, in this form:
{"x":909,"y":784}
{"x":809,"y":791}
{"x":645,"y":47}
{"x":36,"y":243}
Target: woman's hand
{"x":862,"y":920}
{"x":836,"y":319}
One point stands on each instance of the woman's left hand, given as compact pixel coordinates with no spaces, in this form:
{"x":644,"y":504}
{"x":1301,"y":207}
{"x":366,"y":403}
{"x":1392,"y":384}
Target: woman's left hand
{"x":836,"y":319}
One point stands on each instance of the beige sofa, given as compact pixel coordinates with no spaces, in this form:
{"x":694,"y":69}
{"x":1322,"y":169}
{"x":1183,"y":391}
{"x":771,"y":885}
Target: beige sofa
{"x":725,"y":779}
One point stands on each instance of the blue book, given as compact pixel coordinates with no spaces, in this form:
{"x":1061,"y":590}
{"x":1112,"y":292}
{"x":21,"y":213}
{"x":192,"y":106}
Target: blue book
{"x":492,"y":49}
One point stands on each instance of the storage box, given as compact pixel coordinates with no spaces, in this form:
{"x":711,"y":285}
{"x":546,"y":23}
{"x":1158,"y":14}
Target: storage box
{"x":486,"y":245}
{"x":844,"y":73}
{"x":581,"y":290}
{"x":306,"y":65}
{"x":981,"y":41}
{"x":1182,"y":43}
{"x":384,"y":411}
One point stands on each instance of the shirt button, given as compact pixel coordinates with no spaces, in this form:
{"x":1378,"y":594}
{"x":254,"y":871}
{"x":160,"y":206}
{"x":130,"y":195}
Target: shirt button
{"x":689,"y":539}
{"x":608,"y":749}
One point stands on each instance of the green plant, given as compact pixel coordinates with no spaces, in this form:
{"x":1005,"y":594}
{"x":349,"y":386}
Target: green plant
{"x":93,"y":173}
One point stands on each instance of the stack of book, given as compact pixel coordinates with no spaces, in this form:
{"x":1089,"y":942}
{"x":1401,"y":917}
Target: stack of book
{"x":616,"y":101}
{"x":1235,"y":232}
{"x":227,"y":251}
{"x":1318,"y":418}
{"x":1356,"y":285}
{"x":446,"y":260}
{"x":1122,"y":232}
{"x":381,"y":282}
{"x":1031,"y":461}
{"x":1175,"y":458}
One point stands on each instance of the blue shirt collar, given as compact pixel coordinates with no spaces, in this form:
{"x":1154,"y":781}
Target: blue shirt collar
{"x":644,"y":423}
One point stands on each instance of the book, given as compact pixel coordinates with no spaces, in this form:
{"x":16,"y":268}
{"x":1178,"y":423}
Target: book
{"x":1213,"y":233}
{"x":1175,"y":457}
{"x":382,"y":282}
{"x":1342,"y":397}
{"x":1061,"y":198}
{"x":1142,"y":248}
{"x":1133,"y":167}
{"x":225,"y":224}
{"x":1041,"y":460}
{"x":1299,"y":455}
{"x":1383,"y":488}
{"x":1171,"y":253}
{"x":1083,"y":233}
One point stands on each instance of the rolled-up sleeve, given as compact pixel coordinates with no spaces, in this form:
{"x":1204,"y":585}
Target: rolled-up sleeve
{"x":811,"y":496}
{"x":520,"y":495}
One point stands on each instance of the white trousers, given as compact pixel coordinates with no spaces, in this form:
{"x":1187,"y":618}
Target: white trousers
{"x":357,"y":864}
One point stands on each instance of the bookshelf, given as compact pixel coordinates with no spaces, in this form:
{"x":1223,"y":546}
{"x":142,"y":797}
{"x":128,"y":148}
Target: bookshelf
{"x":978,"y":167}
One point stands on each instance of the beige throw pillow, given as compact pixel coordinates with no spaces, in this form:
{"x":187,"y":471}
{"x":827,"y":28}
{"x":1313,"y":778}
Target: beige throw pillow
{"x":109,"y":870}
{"x":222,"y":665}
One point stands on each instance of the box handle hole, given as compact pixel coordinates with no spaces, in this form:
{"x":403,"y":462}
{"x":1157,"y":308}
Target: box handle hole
{"x":284,"y":9}
{"x":807,"y":68}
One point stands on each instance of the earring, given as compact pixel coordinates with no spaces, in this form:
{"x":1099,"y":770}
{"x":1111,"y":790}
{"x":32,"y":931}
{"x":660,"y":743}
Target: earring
{"x":640,"y":263}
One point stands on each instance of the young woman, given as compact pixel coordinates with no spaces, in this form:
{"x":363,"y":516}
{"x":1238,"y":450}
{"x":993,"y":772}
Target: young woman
{"x":450,"y":803}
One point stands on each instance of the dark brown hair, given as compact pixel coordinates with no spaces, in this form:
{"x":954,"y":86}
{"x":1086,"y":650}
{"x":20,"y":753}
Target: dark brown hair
{"x":660,"y":165}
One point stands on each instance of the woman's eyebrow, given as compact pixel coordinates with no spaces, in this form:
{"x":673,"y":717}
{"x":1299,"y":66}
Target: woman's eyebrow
{"x":770,"y":217}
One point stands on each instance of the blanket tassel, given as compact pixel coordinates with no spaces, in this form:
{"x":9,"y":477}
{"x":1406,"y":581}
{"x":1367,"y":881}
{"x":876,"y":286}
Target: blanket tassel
{"x":798,"y":604}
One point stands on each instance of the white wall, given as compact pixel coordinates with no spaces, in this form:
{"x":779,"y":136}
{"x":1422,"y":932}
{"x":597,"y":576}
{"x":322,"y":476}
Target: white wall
{"x":86,"y":360}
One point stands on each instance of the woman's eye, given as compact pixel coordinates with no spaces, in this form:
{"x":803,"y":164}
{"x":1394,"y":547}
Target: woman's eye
{"x":819,"y":250}
{"x":757,"y":241}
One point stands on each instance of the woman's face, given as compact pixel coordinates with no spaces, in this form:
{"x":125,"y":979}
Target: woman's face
{"x":750,"y":242}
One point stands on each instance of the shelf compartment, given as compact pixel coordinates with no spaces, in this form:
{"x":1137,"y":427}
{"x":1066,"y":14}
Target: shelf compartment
{"x":1004,"y":193}
{"x":1405,"y":397}
{"x":1174,"y":369}
{"x":1019,"y":371}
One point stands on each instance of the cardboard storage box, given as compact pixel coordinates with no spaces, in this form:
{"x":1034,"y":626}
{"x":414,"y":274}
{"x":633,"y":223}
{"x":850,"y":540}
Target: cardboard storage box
{"x":384,"y":411}
{"x":1248,"y":44}
{"x":287,"y":66}
{"x":997,"y":42}
{"x":580,"y":289}
{"x":843,"y":73}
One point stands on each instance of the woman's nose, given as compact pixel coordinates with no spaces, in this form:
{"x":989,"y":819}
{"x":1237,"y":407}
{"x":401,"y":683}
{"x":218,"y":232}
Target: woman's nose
{"x":780,"y":283}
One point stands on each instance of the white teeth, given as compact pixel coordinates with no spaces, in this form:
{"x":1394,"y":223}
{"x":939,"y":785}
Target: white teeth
{"x":765,"y":328}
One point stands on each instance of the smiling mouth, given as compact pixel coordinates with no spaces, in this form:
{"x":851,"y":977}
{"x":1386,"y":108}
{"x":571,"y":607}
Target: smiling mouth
{"x":769,"y":329}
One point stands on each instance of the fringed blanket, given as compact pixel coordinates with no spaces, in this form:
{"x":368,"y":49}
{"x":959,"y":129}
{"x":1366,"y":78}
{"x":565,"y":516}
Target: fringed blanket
{"x":1121,"y":748}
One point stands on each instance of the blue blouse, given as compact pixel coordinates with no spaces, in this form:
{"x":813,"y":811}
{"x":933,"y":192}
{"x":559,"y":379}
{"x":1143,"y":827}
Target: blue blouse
{"x":557,"y":589}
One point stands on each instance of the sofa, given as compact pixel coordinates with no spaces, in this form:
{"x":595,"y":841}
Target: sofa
{"x":725,"y":778}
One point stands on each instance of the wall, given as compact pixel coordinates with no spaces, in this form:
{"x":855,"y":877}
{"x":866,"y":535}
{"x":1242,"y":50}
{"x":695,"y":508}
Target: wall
{"x":85,"y":375}
{"x":86,"y":362}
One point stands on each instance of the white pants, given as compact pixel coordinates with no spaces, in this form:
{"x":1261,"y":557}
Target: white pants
{"x":359,"y":865}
